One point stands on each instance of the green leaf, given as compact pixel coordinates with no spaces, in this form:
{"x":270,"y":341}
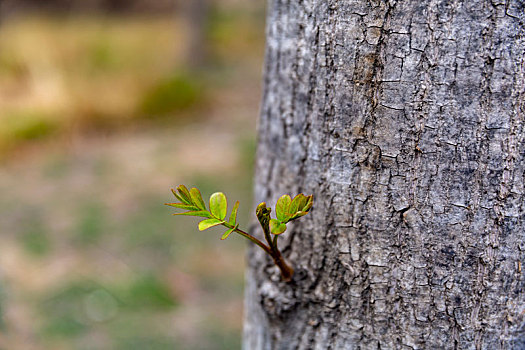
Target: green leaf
{"x":296,"y":202}
{"x":301,"y":202}
{"x":282,"y":208}
{"x":196,"y":198}
{"x":233,"y":215}
{"x":206,"y":224}
{"x":263,"y":215}
{"x":299,"y":214}
{"x":277,"y":227}
{"x":227,"y":233}
{"x":202,"y":213}
{"x":182,"y":206}
{"x":309,"y":203}
{"x":218,"y":205}
{"x":178,"y":196}
{"x":261,"y":210}
{"x":184,"y":194}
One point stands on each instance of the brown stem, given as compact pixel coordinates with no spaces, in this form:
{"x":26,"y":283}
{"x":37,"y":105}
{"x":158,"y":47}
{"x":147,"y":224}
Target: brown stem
{"x":286,"y":270}
{"x":253,"y":239}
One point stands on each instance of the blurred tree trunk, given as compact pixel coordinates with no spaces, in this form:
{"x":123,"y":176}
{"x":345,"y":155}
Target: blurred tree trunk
{"x":197,"y":16}
{"x":118,"y":6}
{"x":405,"y":119}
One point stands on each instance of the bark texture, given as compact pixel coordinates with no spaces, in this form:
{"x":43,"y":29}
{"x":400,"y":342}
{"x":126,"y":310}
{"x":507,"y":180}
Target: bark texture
{"x":405,"y":119}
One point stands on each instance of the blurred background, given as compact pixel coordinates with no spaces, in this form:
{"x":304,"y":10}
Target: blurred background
{"x":104,"y":106}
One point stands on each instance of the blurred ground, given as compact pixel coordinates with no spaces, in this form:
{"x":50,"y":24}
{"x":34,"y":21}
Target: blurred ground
{"x":99,"y":117}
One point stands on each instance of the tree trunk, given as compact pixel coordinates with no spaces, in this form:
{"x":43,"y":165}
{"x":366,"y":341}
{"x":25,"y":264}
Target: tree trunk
{"x":197,"y":17}
{"x":405,"y":119}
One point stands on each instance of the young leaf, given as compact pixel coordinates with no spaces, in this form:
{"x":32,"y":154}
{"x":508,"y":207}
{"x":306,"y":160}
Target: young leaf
{"x":227,"y":233}
{"x":302,"y":199}
{"x":185,"y":194}
{"x":277,"y":227}
{"x":206,"y":224}
{"x":296,"y":202}
{"x":202,"y":213}
{"x":178,"y":196}
{"x":233,"y":215}
{"x":218,"y":205}
{"x":282,"y":207}
{"x":196,"y":198}
{"x":300,"y":206}
{"x":182,"y":206}
{"x":263,"y":215}
{"x":309,"y":203}
{"x":299,"y":214}
{"x":262,"y":211}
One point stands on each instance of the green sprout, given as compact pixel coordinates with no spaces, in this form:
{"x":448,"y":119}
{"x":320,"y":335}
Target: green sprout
{"x":286,"y":210}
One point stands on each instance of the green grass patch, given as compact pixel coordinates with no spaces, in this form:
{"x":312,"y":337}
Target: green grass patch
{"x":27,"y":126}
{"x":172,"y":95}
{"x":34,"y":236}
{"x":103,"y":56}
{"x":64,"y":313}
{"x":92,"y":223}
{"x":147,"y":292}
{"x":76,"y":308}
{"x":141,"y":342}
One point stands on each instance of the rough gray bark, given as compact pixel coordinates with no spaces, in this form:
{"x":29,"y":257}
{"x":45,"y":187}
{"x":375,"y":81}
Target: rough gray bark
{"x":405,"y":120}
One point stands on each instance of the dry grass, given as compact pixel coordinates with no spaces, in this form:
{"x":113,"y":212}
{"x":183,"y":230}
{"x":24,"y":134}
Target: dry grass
{"x":64,"y":74}
{"x":90,"y":256}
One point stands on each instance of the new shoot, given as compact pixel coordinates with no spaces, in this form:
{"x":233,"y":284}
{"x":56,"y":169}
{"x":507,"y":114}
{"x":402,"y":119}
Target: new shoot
{"x":286,"y":210}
